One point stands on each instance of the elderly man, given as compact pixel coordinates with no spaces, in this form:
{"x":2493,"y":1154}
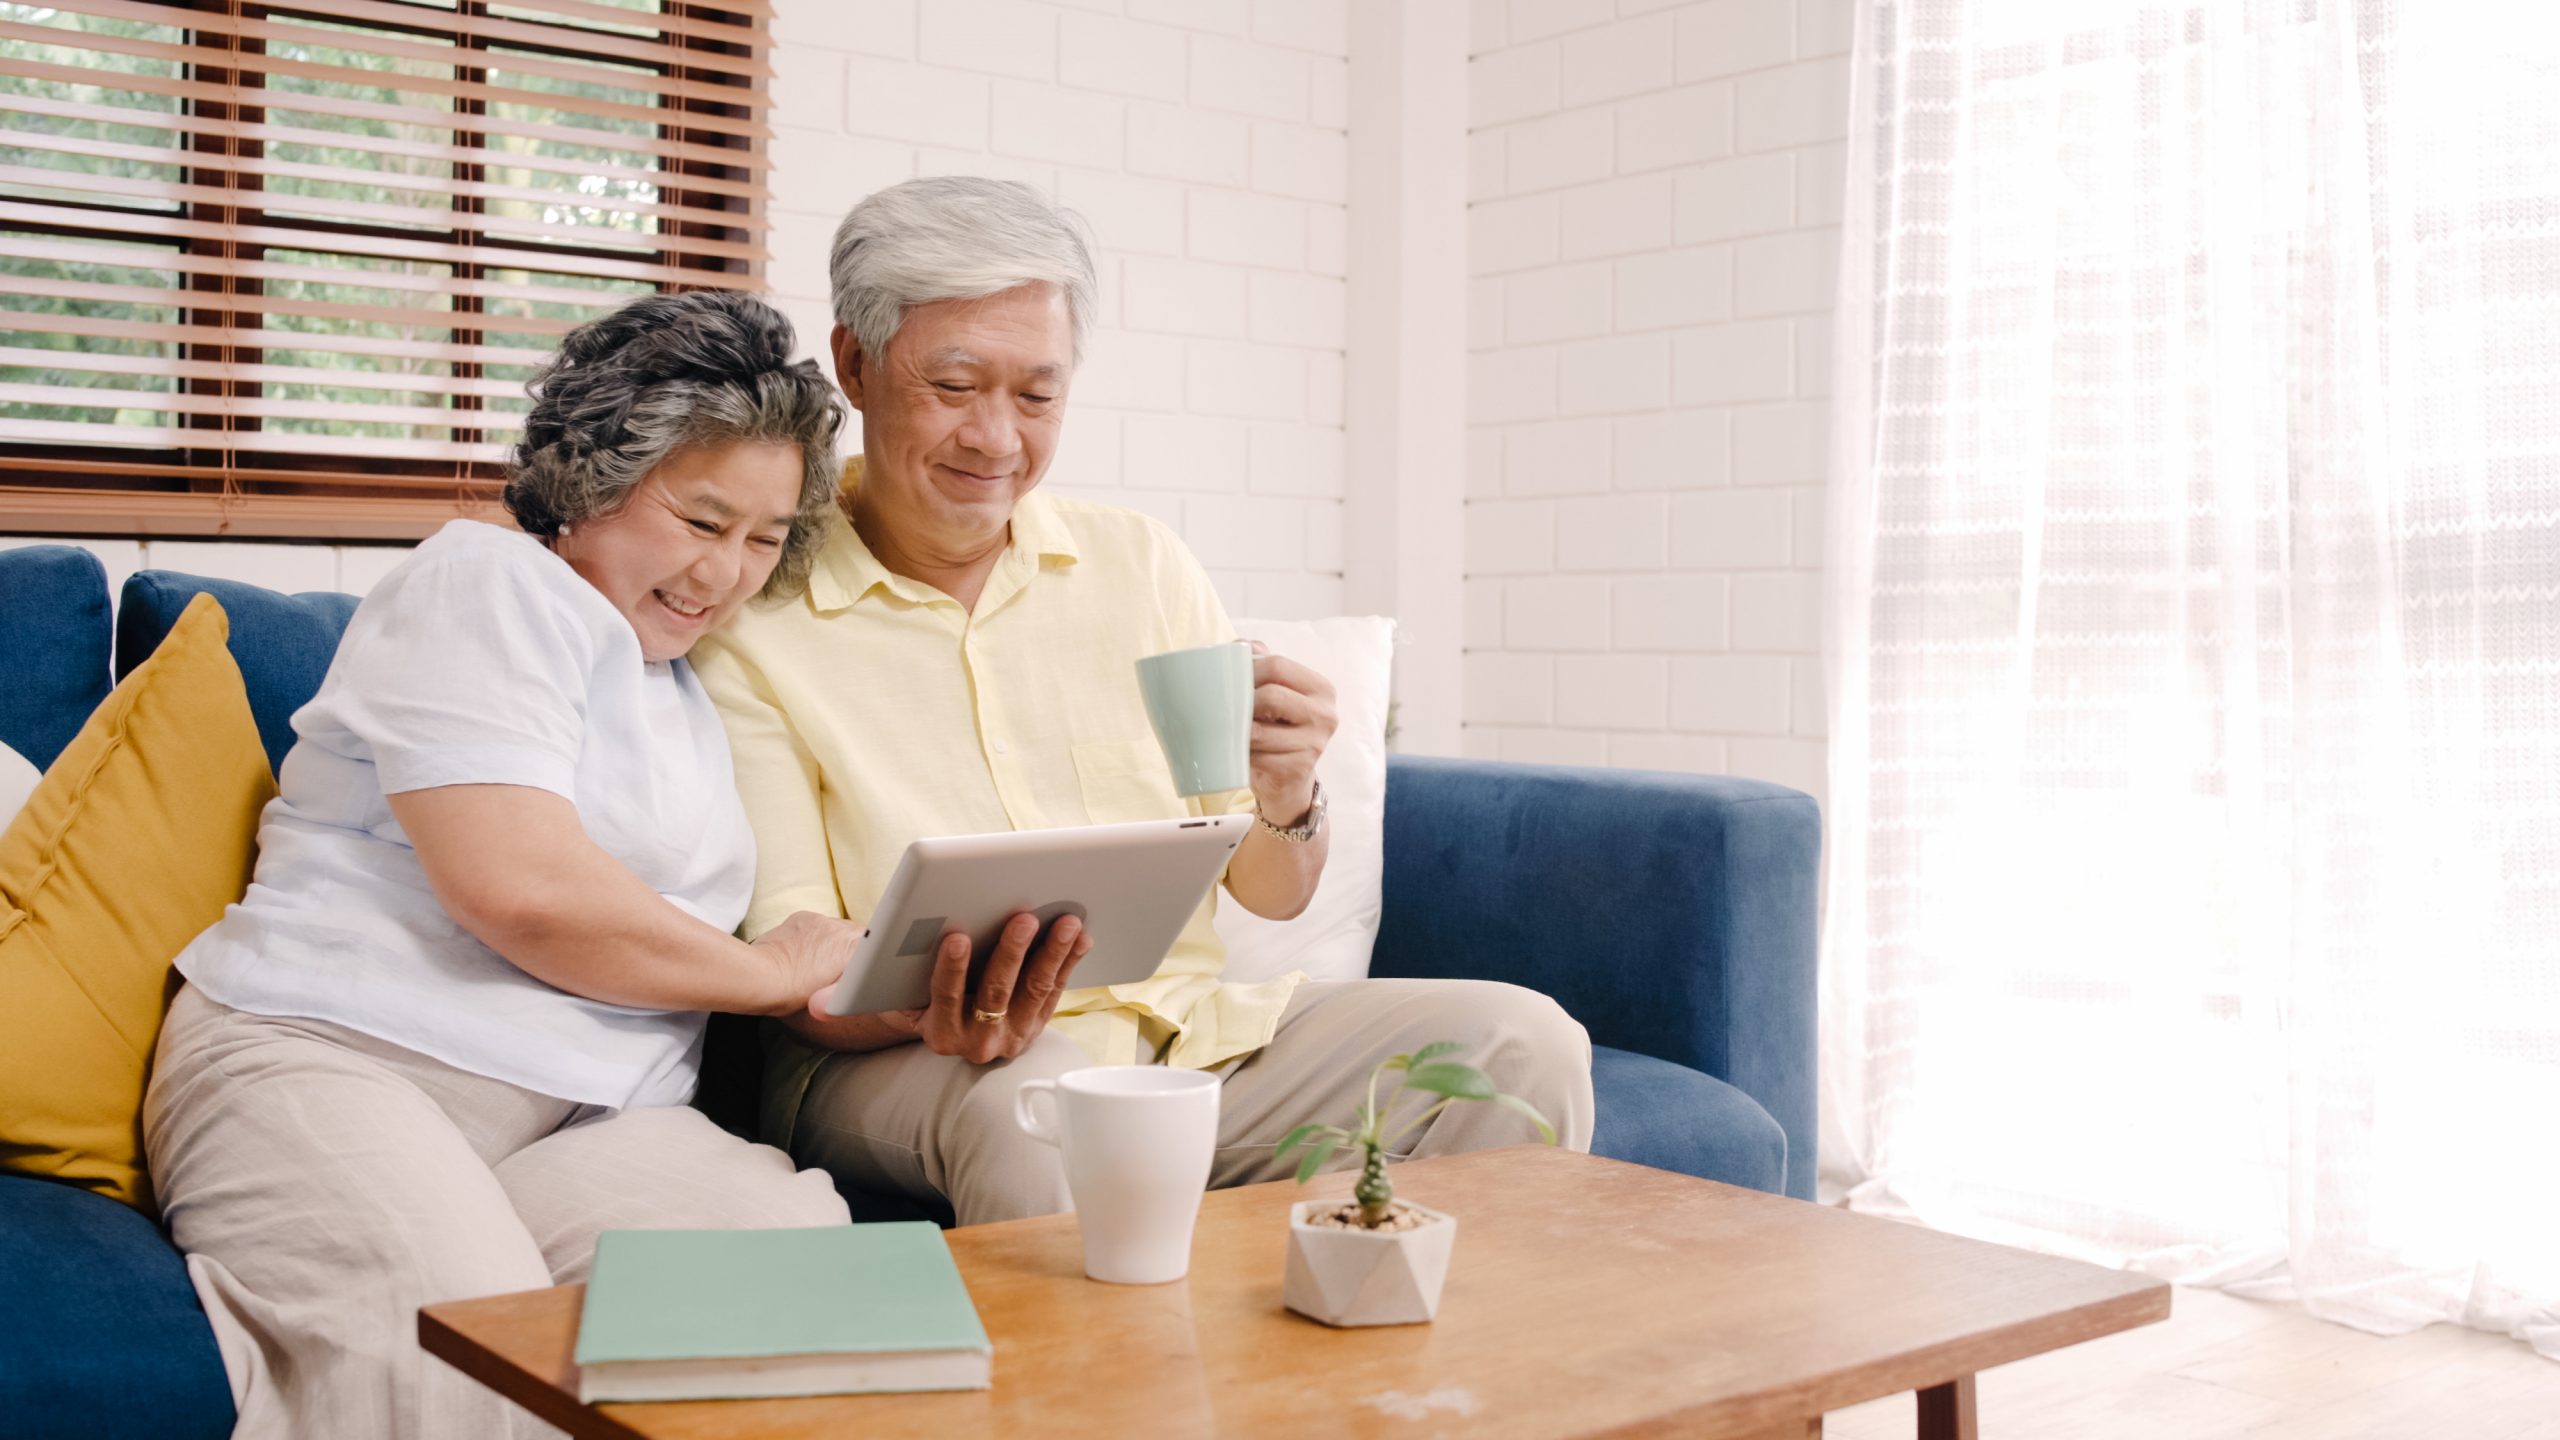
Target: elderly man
{"x":963,"y":662}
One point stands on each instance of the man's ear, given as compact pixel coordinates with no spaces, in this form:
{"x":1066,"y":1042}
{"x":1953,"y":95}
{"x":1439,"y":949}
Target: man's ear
{"x":848,"y":353}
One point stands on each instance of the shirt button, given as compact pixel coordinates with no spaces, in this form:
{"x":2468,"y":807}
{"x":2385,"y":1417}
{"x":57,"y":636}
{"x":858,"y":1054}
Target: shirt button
{"x":999,"y":747}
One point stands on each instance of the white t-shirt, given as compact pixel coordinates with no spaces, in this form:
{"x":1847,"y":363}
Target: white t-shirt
{"x":483,"y":659}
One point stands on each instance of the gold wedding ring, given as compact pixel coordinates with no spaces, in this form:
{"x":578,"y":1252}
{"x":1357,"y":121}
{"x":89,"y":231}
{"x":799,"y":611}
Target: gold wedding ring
{"x":986,"y":1017}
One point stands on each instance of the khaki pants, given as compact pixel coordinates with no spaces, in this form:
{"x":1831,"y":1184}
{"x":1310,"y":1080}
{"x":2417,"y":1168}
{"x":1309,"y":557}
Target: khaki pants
{"x":325,"y":1184}
{"x":915,"y":1123}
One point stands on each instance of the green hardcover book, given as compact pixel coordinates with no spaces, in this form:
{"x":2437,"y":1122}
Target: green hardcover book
{"x":723,"y":1314}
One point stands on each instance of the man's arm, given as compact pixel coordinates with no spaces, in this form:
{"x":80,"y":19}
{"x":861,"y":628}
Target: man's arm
{"x":1293,"y":720}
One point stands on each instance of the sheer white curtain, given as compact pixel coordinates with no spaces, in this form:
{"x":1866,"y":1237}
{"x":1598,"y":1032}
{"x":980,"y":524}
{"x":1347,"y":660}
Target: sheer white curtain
{"x":2195,"y":644}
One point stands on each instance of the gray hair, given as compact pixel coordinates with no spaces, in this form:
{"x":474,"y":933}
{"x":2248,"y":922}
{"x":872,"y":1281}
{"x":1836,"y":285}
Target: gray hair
{"x":954,"y":237}
{"x":661,"y":373}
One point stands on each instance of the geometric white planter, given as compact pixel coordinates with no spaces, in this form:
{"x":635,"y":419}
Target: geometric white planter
{"x":1366,"y":1277}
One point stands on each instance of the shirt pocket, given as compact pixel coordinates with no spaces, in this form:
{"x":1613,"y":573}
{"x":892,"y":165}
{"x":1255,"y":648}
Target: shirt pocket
{"x":1125,"y":780}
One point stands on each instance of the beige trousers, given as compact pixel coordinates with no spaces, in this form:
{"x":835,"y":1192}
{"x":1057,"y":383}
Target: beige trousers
{"x":911,"y":1122}
{"x":325,"y":1184}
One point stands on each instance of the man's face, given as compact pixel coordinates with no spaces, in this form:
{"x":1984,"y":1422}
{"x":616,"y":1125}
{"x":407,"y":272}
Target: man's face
{"x":960,"y":417}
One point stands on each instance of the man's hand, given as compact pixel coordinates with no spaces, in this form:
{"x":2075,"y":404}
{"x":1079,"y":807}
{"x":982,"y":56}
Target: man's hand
{"x":1019,"y":991}
{"x":1293,"y":720}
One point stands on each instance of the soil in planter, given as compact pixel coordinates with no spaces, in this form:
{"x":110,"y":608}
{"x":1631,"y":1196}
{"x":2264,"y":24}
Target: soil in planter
{"x":1401,"y":1217}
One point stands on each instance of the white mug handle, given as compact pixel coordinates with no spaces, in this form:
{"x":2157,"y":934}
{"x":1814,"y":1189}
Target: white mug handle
{"x":1038,"y":1128}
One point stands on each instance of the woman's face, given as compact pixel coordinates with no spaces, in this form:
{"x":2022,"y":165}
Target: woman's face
{"x":700,"y":534}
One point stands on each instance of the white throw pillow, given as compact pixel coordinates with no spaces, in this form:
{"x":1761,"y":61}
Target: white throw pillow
{"x":1331,"y":941}
{"x":18,"y":777}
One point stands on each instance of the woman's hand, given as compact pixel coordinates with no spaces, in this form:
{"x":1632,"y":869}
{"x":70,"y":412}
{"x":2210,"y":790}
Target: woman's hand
{"x":1018,"y":994}
{"x":807,"y":952}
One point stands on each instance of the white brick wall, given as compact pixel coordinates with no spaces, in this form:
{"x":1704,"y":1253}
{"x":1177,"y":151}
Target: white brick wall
{"x":1204,"y":142}
{"x":1654,"y":209}
{"x":1653,"y":202}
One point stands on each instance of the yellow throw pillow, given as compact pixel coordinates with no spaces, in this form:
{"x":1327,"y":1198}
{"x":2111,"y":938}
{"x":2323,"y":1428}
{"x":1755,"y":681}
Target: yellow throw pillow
{"x":141,"y":832}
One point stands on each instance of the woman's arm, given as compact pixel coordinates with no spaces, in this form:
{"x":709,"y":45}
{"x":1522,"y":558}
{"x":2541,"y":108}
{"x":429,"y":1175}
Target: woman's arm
{"x":512,"y":865}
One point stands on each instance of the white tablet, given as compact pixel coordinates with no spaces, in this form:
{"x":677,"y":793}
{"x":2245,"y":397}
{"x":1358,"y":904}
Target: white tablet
{"x":1135,"y":886}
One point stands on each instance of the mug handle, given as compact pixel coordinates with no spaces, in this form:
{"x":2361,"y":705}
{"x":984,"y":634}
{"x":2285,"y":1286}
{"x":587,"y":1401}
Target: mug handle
{"x":1037,"y":1127}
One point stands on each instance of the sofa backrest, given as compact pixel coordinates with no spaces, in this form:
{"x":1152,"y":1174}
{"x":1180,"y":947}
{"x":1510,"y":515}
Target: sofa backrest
{"x":282,"y":643}
{"x":53,"y":648}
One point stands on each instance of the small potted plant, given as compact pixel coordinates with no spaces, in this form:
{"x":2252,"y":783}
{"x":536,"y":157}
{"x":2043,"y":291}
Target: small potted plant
{"x":1379,"y":1260}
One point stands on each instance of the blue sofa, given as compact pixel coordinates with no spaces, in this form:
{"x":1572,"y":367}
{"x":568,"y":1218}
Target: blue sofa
{"x":1673,"y":915}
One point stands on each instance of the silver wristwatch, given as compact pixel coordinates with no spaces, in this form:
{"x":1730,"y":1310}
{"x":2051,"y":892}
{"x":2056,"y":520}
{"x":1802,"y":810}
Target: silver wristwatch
{"x":1307,"y":827}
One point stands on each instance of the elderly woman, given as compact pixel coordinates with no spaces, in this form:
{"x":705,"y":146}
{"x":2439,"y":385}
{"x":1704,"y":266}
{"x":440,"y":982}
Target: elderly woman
{"x":963,"y":662}
{"x":449,"y":1033}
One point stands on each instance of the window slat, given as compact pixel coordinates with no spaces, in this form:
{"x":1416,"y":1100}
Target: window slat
{"x":362,"y":12}
{"x":108,"y":362}
{"x":407,"y":216}
{"x":210,"y":264}
{"x":290,"y":514}
{"x":661,"y":145}
{"x":364,"y":142}
{"x":434,"y":185}
{"x":356,"y":242}
{"x":222,"y":339}
{"x":354,"y":76}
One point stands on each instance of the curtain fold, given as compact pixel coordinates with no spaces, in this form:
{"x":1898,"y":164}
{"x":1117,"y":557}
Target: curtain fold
{"x":2194,"y":645}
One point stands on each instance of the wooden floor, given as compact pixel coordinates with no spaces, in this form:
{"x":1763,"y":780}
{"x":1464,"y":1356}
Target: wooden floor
{"x":2224,"y":1367}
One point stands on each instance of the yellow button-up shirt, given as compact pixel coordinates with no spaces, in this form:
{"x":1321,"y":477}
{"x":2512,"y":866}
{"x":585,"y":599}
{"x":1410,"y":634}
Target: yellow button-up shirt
{"x":874,"y":710}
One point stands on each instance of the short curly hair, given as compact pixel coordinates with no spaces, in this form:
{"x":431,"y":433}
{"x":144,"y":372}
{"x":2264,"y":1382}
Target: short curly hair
{"x":663,"y":372}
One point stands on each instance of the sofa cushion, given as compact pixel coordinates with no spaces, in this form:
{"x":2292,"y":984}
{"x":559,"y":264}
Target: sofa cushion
{"x":102,"y":1337}
{"x":1671,"y":914}
{"x":1652,"y":1112}
{"x":53,"y":646}
{"x":138,"y":836}
{"x":282,"y":643}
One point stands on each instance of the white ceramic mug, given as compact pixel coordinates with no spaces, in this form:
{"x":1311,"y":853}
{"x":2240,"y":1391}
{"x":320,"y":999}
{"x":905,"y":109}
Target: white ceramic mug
{"x":1137,"y":1141}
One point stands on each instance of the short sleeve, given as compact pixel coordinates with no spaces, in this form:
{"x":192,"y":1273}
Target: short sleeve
{"x":467,"y":667}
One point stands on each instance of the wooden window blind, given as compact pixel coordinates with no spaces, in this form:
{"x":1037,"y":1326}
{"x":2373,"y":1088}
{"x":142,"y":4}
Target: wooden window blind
{"x":268,"y":270}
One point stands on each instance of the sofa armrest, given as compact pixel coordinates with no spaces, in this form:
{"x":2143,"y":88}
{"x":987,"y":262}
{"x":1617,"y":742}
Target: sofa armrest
{"x":1673,"y":915}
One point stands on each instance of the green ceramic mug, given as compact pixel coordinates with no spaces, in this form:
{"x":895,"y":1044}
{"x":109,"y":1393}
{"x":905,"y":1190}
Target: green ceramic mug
{"x":1201,"y":703}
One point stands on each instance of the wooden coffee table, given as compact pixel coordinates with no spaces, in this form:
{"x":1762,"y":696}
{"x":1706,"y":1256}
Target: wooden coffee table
{"x":1587,"y":1297}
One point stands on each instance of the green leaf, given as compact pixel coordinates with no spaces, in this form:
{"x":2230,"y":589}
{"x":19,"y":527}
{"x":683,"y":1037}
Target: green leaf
{"x":1316,"y":1156}
{"x":1295,"y":1138}
{"x":1546,"y":1131}
{"x":1436,"y":1049}
{"x":1448,"y":1077}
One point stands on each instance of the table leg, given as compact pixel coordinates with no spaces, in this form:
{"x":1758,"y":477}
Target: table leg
{"x":1947,"y":1411}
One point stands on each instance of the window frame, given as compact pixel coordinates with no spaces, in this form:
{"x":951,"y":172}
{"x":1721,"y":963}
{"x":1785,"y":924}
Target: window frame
{"x":233,"y":488}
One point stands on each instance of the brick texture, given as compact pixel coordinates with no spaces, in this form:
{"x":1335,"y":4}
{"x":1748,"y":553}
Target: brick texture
{"x":1205,"y":145}
{"x":1654,"y":222}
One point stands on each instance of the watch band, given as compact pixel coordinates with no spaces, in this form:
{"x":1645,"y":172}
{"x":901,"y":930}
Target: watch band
{"x":1307,"y":826}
